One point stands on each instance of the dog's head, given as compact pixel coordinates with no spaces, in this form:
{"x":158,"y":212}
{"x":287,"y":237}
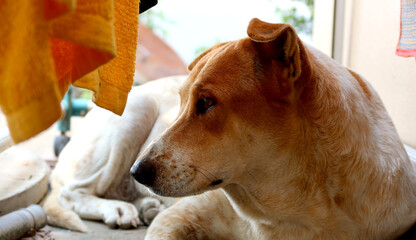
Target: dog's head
{"x":238,"y":114}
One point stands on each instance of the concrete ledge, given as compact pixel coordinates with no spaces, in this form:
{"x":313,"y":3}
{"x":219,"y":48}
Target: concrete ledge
{"x":23,"y":179}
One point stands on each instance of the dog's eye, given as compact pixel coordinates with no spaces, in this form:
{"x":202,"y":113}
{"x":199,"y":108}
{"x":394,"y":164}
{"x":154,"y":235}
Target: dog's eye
{"x":204,"y":104}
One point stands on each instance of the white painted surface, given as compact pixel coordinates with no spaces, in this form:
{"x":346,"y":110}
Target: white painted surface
{"x":323,"y":24}
{"x":374,"y":34}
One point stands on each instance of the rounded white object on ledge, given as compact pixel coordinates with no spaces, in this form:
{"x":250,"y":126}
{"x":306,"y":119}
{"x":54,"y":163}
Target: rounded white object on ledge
{"x":23,"y":179}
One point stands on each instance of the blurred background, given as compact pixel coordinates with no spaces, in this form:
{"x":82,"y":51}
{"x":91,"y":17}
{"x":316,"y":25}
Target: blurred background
{"x":193,"y":26}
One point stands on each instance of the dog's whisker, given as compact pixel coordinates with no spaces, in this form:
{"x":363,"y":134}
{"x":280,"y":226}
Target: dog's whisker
{"x":251,"y":175}
{"x":223,"y":172}
{"x":203,"y":174}
{"x":206,"y":171}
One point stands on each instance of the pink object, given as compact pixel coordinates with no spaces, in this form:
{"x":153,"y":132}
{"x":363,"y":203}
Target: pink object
{"x":406,"y":46}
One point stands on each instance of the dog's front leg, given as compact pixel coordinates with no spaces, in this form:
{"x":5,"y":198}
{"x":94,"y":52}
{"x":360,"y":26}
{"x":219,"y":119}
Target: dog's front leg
{"x":113,"y":212}
{"x":206,"y":216}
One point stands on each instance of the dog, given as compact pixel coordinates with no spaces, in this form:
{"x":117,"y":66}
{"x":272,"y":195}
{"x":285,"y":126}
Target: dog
{"x":280,"y":142}
{"x":91,"y":179}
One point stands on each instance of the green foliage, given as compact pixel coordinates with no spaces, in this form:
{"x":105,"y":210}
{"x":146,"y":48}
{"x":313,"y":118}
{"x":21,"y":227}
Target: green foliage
{"x":152,"y":19}
{"x":301,"y":23}
{"x":201,"y":49}
{"x":85,"y":94}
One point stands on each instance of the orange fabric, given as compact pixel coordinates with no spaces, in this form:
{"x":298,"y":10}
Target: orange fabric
{"x":46,"y":45}
{"x":112,"y":82}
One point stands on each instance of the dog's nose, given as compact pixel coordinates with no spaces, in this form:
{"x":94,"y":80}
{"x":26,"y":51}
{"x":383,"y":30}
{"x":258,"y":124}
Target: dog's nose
{"x":144,"y":172}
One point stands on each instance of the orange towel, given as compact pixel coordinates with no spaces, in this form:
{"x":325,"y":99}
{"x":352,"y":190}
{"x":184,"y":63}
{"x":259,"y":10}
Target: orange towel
{"x":45,"y":45}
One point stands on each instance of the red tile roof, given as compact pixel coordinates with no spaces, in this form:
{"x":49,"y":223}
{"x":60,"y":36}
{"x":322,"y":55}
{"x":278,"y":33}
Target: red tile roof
{"x":155,"y":58}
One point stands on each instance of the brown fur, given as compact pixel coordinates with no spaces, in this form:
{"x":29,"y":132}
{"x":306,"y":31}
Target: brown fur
{"x":300,"y":147}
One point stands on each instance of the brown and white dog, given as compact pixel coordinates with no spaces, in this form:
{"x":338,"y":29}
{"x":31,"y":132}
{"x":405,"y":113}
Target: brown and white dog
{"x":92,"y":180}
{"x":284,"y":143}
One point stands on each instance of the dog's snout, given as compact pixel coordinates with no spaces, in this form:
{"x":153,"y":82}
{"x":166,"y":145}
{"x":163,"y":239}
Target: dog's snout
{"x":144,"y":172}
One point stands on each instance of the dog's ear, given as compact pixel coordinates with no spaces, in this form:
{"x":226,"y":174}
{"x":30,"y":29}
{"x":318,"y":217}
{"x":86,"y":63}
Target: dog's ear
{"x":279,"y":42}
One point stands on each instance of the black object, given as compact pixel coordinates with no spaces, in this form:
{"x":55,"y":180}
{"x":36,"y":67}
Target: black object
{"x":144,"y":173}
{"x":146,"y":5}
{"x":59,"y":143}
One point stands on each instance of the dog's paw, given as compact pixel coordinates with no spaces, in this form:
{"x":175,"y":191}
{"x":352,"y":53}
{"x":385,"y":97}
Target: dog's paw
{"x":121,"y":214}
{"x":149,"y":208}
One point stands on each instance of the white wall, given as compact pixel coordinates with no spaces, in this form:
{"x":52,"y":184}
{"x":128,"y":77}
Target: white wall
{"x":322,"y":29}
{"x":371,"y":32}
{"x":375,"y":27}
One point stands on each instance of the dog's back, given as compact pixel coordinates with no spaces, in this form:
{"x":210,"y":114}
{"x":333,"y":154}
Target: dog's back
{"x":372,"y":178}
